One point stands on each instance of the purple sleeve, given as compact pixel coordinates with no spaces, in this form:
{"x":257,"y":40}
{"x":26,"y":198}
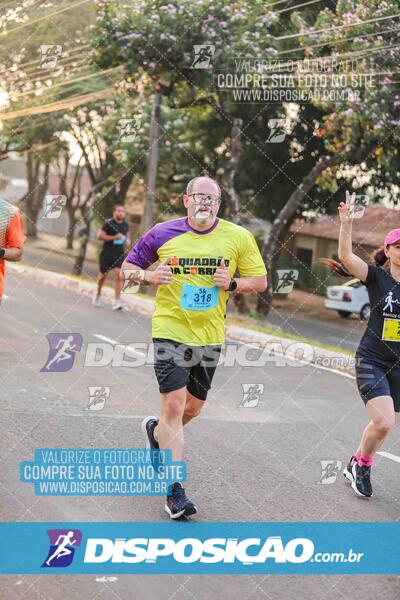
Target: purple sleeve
{"x":144,"y":252}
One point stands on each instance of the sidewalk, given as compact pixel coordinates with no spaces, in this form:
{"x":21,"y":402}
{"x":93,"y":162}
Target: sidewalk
{"x":48,"y":252}
{"x":48,"y":242}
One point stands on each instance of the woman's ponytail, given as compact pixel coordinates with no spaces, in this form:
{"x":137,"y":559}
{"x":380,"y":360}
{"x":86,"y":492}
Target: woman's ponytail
{"x":335,"y":266}
{"x":379,"y":257}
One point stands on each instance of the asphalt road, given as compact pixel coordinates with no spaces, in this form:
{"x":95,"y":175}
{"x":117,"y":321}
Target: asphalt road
{"x":244,"y":464}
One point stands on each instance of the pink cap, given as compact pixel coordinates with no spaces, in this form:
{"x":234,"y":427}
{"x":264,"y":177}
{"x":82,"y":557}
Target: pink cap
{"x":392,"y":237}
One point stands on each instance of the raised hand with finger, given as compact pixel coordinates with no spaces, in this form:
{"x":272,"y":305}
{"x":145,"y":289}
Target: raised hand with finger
{"x":347,"y":209}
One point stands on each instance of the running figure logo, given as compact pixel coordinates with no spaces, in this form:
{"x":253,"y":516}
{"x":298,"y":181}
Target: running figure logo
{"x":286,"y":280}
{"x":278,"y":130}
{"x":131,"y":285}
{"x":202,"y":56}
{"x":390,"y":300}
{"x":63,"y":347}
{"x":54,"y":206}
{"x":251,"y":394}
{"x":50,"y":54}
{"x":128,"y":129}
{"x":62,"y":547}
{"x":97,"y":397}
{"x":329,"y":471}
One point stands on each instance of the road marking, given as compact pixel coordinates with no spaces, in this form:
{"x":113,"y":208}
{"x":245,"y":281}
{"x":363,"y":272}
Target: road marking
{"x":305,"y":362}
{"x":111,"y":341}
{"x":390,"y":456}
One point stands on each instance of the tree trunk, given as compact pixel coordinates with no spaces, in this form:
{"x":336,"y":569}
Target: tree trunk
{"x":233,"y":203}
{"x":71,"y":227}
{"x":147,"y":218}
{"x":87,"y":211}
{"x":280,"y":227}
{"x":32,"y":212}
{"x":241,"y":304}
{"x":83,"y":242}
{"x":228,"y":179}
{"x":36,"y":192}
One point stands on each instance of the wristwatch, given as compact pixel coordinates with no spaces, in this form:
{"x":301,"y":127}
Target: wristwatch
{"x":2,"y":252}
{"x":232,"y":285}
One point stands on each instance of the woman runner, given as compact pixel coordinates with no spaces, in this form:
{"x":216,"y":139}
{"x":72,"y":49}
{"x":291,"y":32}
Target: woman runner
{"x":378,"y":354}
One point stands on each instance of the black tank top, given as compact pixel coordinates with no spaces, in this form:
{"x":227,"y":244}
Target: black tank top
{"x":381,"y":340}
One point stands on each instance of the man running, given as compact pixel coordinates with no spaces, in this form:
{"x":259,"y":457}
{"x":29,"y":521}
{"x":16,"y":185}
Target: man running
{"x":115,"y":236}
{"x":11,"y":237}
{"x":378,"y":354}
{"x":198,"y":256}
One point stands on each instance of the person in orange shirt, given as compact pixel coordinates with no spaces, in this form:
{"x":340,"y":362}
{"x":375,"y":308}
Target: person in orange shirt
{"x":11,"y":237}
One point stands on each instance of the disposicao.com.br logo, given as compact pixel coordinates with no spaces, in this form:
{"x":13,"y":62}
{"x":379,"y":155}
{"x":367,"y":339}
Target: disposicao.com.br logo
{"x":247,"y":551}
{"x":201,"y":548}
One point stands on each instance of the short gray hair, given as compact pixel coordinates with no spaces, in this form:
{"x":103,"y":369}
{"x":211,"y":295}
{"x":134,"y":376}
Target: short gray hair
{"x":191,"y":183}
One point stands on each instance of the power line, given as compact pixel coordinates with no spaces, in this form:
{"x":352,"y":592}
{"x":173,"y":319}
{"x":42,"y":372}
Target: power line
{"x":67,"y":104}
{"x":310,"y":33}
{"x":279,"y":12}
{"x":279,"y":2}
{"x":39,"y":19}
{"x":69,"y":81}
{"x":358,"y":54}
{"x":71,"y":52}
{"x":9,"y":3}
{"x":78,"y":67}
{"x":338,"y":41}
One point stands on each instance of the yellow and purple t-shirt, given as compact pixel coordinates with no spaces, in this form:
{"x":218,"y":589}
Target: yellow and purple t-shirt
{"x":192,"y":309}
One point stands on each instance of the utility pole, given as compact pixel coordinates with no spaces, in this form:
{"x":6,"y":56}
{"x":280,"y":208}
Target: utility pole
{"x":151,"y":175}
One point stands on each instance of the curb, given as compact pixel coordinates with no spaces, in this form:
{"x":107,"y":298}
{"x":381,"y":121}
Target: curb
{"x":303,"y":352}
{"x":85,"y":288}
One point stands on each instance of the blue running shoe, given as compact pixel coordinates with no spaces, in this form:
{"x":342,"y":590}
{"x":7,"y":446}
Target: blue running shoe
{"x":177,"y":505}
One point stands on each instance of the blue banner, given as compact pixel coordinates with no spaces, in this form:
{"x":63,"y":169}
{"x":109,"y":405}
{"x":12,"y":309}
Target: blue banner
{"x":196,"y":548}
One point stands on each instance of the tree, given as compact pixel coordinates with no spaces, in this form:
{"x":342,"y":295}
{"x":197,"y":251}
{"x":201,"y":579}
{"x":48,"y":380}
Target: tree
{"x":278,"y":181}
{"x":353,"y":139}
{"x":70,"y":178}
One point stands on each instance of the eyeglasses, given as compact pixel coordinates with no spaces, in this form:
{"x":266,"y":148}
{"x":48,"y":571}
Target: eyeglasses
{"x":200,"y":198}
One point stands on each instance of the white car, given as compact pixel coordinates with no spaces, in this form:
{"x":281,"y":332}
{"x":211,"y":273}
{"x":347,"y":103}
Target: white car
{"x":351,"y":297}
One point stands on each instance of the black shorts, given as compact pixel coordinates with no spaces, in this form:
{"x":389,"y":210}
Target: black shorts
{"x":107,"y":263}
{"x":375,"y":380}
{"x":180,"y":365}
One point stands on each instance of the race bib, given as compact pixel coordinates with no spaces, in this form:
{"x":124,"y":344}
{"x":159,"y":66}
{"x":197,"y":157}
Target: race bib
{"x":199,"y":298}
{"x":391,"y":330}
{"x":120,"y":241}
